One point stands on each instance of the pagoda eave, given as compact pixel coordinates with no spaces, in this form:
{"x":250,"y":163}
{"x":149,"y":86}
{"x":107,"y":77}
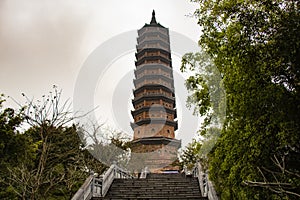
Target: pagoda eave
{"x":154,"y":121}
{"x":157,"y":140}
{"x":152,"y":50}
{"x":152,"y":86}
{"x":153,"y":97}
{"x":153,"y":108}
{"x":153,"y":58}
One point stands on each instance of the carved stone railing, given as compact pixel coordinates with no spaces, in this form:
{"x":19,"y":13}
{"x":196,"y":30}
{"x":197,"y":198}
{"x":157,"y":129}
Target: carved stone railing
{"x":85,"y":191}
{"x":98,"y":187}
{"x":187,"y":171}
{"x":202,"y":178}
{"x":211,"y":194}
{"x":145,"y":172}
{"x":206,"y":186}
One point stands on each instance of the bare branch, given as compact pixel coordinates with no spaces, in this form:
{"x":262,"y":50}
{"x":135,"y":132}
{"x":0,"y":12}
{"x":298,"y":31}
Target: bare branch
{"x":276,"y":186}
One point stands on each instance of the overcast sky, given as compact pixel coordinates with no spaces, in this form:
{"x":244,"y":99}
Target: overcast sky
{"x":46,"y":42}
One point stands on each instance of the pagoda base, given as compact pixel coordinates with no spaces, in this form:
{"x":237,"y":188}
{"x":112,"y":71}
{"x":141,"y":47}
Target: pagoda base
{"x":156,"y":153}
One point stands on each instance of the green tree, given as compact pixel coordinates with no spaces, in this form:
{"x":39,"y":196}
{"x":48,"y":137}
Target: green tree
{"x":12,"y":142}
{"x":47,"y":161}
{"x":255,"y":47}
{"x":191,"y":154}
{"x":106,"y":144}
{"x":207,"y":97}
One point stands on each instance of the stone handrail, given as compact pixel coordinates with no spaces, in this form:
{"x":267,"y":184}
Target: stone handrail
{"x":145,"y":172}
{"x":98,"y":187}
{"x":212,"y":194}
{"x":206,"y":186}
{"x":85,"y":191}
{"x":187,"y":171}
{"x":107,"y":178}
{"x":198,"y":172}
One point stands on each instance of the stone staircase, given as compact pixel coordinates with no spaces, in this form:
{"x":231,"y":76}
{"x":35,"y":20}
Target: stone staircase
{"x":155,"y":186}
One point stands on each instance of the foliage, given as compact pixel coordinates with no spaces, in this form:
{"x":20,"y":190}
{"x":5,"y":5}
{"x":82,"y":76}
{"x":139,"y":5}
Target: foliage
{"x":255,"y":46}
{"x":191,"y":154}
{"x":107,"y":145}
{"x":46,"y":161}
{"x":11,"y":144}
{"x":206,"y":88}
{"x":207,"y":96}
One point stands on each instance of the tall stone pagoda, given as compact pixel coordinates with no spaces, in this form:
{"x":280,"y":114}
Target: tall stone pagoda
{"x":154,"y":100}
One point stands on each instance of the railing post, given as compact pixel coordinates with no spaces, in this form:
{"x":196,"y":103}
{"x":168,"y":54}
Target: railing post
{"x":97,"y":187}
{"x":201,"y":177}
{"x":93,"y":181}
{"x":145,"y":172}
{"x":206,"y":186}
{"x":114,"y":167}
{"x":211,"y":192}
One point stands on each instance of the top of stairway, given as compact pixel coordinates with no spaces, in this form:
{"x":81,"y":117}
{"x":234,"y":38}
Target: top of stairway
{"x":155,"y":186}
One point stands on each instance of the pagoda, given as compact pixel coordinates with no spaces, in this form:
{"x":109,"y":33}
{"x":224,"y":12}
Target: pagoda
{"x":154,"y":105}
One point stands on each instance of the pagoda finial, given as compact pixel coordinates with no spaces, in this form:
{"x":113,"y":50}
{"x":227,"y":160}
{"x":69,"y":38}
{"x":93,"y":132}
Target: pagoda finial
{"x":153,"y":20}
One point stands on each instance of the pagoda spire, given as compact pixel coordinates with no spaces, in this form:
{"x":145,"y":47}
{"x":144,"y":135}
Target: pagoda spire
{"x":153,"y":20}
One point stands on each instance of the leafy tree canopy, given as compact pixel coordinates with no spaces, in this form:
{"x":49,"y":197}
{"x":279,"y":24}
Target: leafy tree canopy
{"x":255,"y":45}
{"x":49,"y":160}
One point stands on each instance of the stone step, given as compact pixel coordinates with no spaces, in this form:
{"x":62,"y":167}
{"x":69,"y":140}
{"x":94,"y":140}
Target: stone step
{"x":150,"y":198}
{"x":155,"y":186}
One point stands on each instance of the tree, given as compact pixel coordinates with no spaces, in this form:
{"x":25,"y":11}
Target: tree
{"x":191,"y":154}
{"x":255,"y":47}
{"x":207,"y":96}
{"x":59,"y":173}
{"x":50,"y":158}
{"x":106,"y":144}
{"x":11,"y":144}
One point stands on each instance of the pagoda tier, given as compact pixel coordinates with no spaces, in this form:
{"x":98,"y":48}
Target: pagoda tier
{"x":156,"y":108}
{"x":154,"y":104}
